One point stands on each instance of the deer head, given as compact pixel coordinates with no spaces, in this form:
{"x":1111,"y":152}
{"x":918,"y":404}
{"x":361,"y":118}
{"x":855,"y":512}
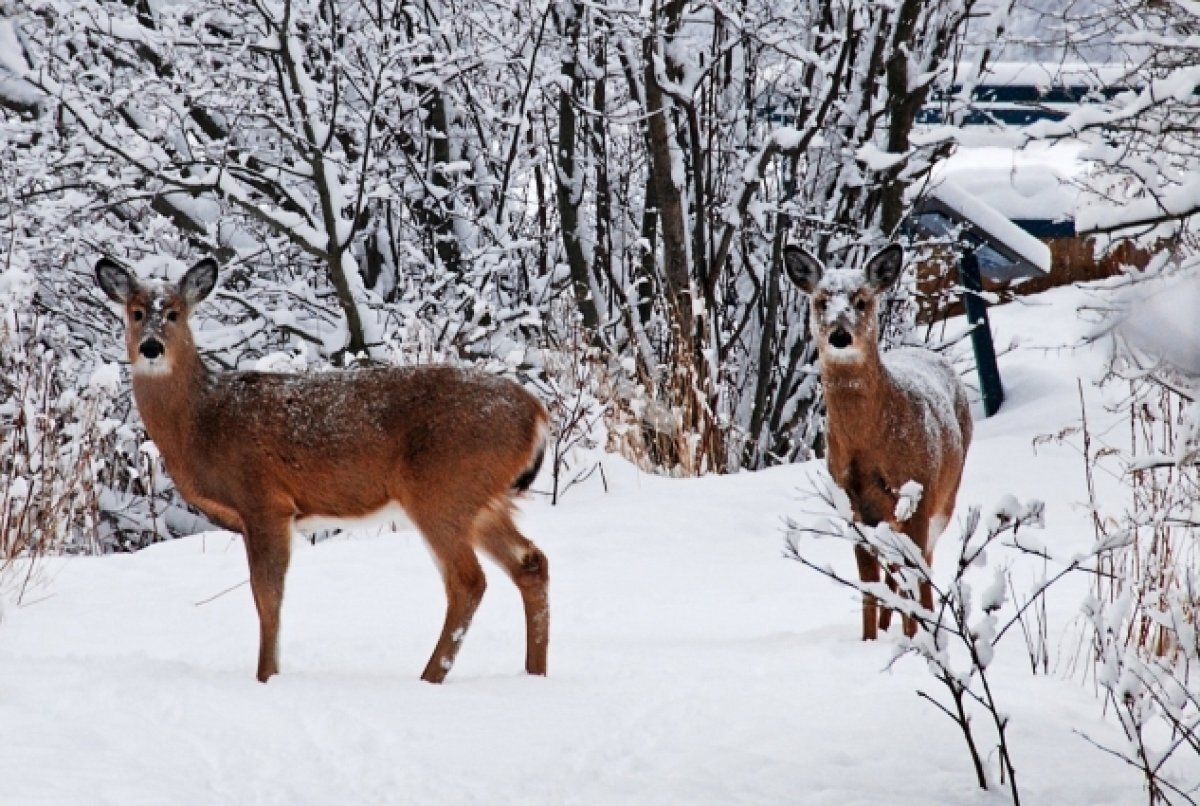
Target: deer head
{"x":843,"y":302}
{"x":156,"y":312}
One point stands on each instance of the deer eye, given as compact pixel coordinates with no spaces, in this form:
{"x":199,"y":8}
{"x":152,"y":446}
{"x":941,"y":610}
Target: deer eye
{"x":172,"y":316}
{"x":860,"y":304}
{"x":138,"y":315}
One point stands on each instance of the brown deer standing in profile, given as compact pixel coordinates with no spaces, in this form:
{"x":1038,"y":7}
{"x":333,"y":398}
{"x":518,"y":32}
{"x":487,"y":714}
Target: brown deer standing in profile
{"x":261,"y":452}
{"x":893,"y":418}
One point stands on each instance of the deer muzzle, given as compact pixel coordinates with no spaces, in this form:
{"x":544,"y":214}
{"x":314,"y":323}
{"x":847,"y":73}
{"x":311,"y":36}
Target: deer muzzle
{"x":840,"y":338}
{"x":151,"y":349}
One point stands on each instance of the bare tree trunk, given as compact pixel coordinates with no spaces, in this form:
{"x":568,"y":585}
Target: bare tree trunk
{"x":569,"y":180}
{"x":440,"y":210}
{"x":602,"y":257}
{"x":667,"y":190}
{"x":331,"y":216}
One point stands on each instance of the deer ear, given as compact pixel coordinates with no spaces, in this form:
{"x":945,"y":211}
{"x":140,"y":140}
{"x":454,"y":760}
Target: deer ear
{"x":115,"y":280}
{"x":199,"y":281}
{"x":803,"y":269}
{"x":884,"y":267}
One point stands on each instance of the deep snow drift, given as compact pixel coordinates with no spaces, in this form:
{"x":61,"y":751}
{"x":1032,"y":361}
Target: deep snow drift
{"x":690,"y":662}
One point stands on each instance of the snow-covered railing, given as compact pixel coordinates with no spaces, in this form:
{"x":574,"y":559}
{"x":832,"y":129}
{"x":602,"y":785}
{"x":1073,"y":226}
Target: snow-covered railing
{"x":1008,"y":94}
{"x":1021,"y":93}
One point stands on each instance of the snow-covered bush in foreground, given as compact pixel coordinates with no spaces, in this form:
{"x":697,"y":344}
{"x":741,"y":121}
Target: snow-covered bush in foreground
{"x":976,"y":609}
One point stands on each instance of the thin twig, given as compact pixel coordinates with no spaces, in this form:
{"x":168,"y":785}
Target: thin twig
{"x":216,"y":596}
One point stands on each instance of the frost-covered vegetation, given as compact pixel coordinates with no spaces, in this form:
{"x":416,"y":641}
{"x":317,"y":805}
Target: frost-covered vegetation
{"x":480,"y":183}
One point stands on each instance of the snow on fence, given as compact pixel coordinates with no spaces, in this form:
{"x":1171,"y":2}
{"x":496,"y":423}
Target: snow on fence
{"x":1022,"y":93}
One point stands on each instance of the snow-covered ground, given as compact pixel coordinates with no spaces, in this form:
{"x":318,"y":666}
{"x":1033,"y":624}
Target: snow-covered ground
{"x":690,"y":662}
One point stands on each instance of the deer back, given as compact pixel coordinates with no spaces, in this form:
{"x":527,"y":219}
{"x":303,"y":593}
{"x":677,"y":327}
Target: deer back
{"x":339,"y":444}
{"x":345,"y":443}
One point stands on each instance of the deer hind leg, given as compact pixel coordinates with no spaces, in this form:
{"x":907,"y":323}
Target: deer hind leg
{"x":926,"y":596}
{"x":268,"y":551}
{"x":868,"y":571}
{"x":529,"y":570}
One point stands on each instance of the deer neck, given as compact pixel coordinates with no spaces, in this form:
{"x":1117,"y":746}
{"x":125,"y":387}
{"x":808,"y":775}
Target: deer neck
{"x":167,"y":401}
{"x":855,"y":393}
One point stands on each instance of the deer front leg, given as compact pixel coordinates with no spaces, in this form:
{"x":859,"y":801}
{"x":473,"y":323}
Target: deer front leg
{"x":868,"y":572}
{"x":868,"y":509}
{"x":268,"y":550}
{"x":919,"y":530}
{"x":885,"y":612}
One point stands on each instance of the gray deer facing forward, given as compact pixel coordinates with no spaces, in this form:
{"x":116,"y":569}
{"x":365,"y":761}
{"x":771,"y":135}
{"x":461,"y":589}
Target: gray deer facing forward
{"x":892,"y":418}
{"x":260,"y":453}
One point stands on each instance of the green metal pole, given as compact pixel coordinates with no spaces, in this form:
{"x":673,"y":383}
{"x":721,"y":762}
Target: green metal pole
{"x":981,"y":333}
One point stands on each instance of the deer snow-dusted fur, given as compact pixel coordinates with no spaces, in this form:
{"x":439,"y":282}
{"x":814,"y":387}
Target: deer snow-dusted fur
{"x":259,"y":452}
{"x":892,"y":419}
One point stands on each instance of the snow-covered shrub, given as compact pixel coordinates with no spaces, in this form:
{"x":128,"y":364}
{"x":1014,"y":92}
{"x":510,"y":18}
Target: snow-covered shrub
{"x":359,"y":168}
{"x":570,"y":368}
{"x":55,"y":441}
{"x":973,"y":611}
{"x":1141,"y":615}
{"x":1139,"y":623}
{"x":1154,"y":697}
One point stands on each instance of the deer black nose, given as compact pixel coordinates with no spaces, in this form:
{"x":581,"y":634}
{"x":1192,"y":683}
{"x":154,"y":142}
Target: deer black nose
{"x":840,"y":339}
{"x":151,"y":348}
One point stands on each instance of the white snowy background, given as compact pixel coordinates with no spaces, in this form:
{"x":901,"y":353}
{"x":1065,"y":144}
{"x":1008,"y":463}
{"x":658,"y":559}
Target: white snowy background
{"x":690,"y":661}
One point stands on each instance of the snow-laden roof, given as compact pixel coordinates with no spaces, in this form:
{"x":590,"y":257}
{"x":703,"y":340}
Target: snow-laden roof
{"x":1020,"y":178}
{"x":1040,"y":181}
{"x":946,"y":199}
